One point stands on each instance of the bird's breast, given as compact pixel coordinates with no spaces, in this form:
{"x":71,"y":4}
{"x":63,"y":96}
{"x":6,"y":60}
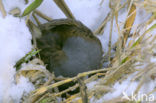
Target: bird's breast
{"x":82,"y":55}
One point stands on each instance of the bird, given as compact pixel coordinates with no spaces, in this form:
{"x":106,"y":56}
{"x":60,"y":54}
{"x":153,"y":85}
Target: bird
{"x":68,"y":47}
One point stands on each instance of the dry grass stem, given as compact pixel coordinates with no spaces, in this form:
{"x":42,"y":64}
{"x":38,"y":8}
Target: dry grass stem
{"x":63,"y":6}
{"x":2,"y":9}
{"x":42,"y":15}
{"x":36,"y":19}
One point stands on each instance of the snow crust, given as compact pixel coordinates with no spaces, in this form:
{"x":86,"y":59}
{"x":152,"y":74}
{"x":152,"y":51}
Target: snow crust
{"x":15,"y":42}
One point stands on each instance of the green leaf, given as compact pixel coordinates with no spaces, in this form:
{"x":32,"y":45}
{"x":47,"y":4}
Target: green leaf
{"x":46,"y":100}
{"x":151,"y":28}
{"x":141,"y":37}
{"x":32,"y":7}
{"x":124,"y":60}
{"x":26,"y":58}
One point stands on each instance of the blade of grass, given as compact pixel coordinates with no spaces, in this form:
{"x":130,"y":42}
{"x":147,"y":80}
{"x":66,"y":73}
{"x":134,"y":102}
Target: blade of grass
{"x":140,"y":39}
{"x":32,"y":7}
{"x":64,"y":7}
{"x":2,"y":9}
{"x":26,"y":58}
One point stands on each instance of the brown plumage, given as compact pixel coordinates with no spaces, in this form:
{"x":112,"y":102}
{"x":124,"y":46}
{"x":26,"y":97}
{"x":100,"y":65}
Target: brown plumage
{"x":68,"y":47}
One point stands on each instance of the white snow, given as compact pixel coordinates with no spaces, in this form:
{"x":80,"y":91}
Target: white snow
{"x":127,"y":87}
{"x":89,"y":12}
{"x":15,"y":39}
{"x":9,"y":4}
{"x":15,"y":42}
{"x":91,"y":84}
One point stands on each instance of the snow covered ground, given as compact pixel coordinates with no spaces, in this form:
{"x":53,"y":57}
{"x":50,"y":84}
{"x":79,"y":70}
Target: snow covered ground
{"x":15,"y":40}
